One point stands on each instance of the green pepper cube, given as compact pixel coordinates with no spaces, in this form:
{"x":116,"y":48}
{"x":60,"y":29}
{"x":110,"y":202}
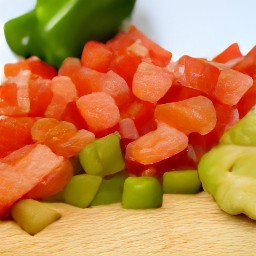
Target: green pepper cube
{"x":181,"y":182}
{"x":90,"y":161}
{"x":81,"y":190}
{"x":111,"y":190}
{"x":33,"y":216}
{"x":103,"y":156}
{"x":142,"y":193}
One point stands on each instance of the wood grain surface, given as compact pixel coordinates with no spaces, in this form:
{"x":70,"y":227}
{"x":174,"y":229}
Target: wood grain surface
{"x":185,"y":225}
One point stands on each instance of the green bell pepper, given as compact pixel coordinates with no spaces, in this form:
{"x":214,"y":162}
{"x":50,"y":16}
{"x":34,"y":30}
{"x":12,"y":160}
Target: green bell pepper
{"x":56,"y":29}
{"x":228,"y":171}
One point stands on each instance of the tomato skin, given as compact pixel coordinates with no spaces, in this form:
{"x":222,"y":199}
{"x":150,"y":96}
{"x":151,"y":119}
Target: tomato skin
{"x":52,"y":183}
{"x":247,"y":65}
{"x":232,"y":52}
{"x":197,"y":74}
{"x":231,"y":86}
{"x":15,"y":132}
{"x":96,"y":56}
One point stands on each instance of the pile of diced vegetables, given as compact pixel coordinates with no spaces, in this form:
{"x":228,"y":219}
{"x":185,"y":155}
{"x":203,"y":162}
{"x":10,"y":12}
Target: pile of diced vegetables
{"x":122,"y":124}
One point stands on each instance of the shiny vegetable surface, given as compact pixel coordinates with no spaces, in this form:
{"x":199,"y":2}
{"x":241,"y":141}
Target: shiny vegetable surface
{"x":228,"y":171}
{"x":57,"y":29}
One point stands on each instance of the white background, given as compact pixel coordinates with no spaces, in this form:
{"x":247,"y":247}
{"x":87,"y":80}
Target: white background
{"x":200,"y":28}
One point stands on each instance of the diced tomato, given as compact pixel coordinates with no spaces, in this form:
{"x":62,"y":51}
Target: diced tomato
{"x":22,"y":106}
{"x":69,"y":66}
{"x":99,"y":110}
{"x":127,"y":129}
{"x":15,"y":132}
{"x":40,"y":95}
{"x":13,"y":69}
{"x":231,"y":86}
{"x":88,"y":80}
{"x":178,"y":92}
{"x":247,"y":101}
{"x":73,"y":115}
{"x":52,"y":183}
{"x":41,"y":68}
{"x":8,"y":99}
{"x":142,"y":113}
{"x":62,"y":137}
{"x":156,"y":145}
{"x":231,"y":53}
{"x":160,"y":56}
{"x":97,"y":56}
{"x":64,"y":92}
{"x":126,"y":65}
{"x":25,"y":167}
{"x":197,"y":74}
{"x":247,"y":64}
{"x":196,"y":114}
{"x":150,"y":82}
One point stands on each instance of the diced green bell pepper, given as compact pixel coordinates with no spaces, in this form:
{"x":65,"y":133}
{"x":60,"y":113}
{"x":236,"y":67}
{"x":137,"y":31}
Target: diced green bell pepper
{"x":56,"y":29}
{"x":103,"y":156}
{"x":181,"y":182}
{"x":81,"y":190}
{"x":142,"y":193}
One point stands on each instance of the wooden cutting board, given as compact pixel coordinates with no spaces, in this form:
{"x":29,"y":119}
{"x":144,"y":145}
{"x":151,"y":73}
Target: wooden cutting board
{"x":185,"y":225}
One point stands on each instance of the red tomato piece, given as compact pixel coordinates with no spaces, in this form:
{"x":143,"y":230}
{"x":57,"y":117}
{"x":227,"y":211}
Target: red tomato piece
{"x":247,"y":101}
{"x":26,"y":167}
{"x":53,"y":183}
{"x":248,"y":64}
{"x":13,"y":69}
{"x":231,"y":86}
{"x":197,"y":74}
{"x":99,"y":110}
{"x":160,"y":56}
{"x":64,"y":92}
{"x":41,"y":68}
{"x":40,"y":95}
{"x":196,"y":114}
{"x":8,"y":99}
{"x":156,"y":145}
{"x":62,"y":137}
{"x":97,"y":56}
{"x":88,"y":80}
{"x":127,"y":129}
{"x":150,"y":82}
{"x":69,"y":66}
{"x":15,"y":132}
{"x":231,"y":53}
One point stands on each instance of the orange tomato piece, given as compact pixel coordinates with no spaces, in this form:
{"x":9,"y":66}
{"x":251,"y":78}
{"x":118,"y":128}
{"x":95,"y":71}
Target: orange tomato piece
{"x":97,"y":56}
{"x":64,"y":92}
{"x":41,"y":68}
{"x":151,"y":83}
{"x":15,"y":132}
{"x":52,"y":183}
{"x":13,"y":69}
{"x":40,"y":95}
{"x":247,"y":64}
{"x":69,"y":66}
{"x":247,"y":101}
{"x":231,"y":53}
{"x":88,"y":80}
{"x":231,"y":86}
{"x":99,"y":110}
{"x":62,"y":137}
{"x":127,"y":129}
{"x":196,"y":114}
{"x":196,"y":73}
{"x":159,"y":56}
{"x":25,"y":167}
{"x":156,"y":145}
